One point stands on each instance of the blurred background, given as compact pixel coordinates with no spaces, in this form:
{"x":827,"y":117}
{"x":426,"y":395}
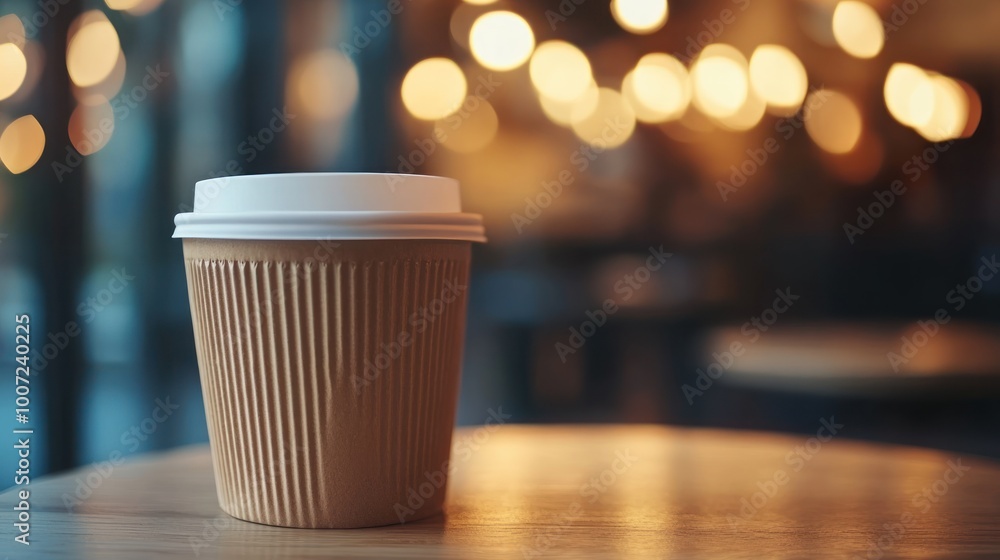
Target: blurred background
{"x":746,"y":214}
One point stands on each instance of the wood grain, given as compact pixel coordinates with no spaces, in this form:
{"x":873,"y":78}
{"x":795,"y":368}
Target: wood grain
{"x":538,"y":492}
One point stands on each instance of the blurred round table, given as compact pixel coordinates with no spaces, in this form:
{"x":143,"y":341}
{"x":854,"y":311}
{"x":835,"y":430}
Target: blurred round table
{"x":573,"y":492}
{"x":863,"y":359}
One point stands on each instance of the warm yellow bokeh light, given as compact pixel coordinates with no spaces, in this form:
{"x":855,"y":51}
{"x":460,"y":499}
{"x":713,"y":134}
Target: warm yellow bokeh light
{"x":908,"y":94}
{"x":560,"y":71}
{"x":561,"y":112}
{"x":108,"y":88}
{"x":433,"y":89}
{"x":720,"y":81}
{"x":975,"y":112}
{"x":778,"y":77}
{"x":323,"y":84}
{"x":144,"y":7}
{"x":640,"y":16}
{"x":122,"y":4}
{"x":91,"y":127}
{"x":470,"y":129}
{"x":658,"y":88}
{"x":950,"y":112}
{"x":13,"y":69}
{"x":833,"y":121}
{"x":21,"y":144}
{"x":93,"y":49}
{"x":480,"y":2}
{"x":134,"y":7}
{"x":609,"y":125}
{"x":747,"y":116}
{"x":858,"y":29}
{"x":501,"y":40}
{"x":920,"y":104}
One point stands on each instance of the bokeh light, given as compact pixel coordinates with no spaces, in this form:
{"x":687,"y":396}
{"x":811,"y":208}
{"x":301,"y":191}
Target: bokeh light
{"x":640,"y":16}
{"x":122,"y":4}
{"x":480,"y":2}
{"x":658,"y":88}
{"x":561,"y":112}
{"x":501,"y":40}
{"x":747,"y":116}
{"x":134,"y":7}
{"x":323,"y":84}
{"x":461,"y":22}
{"x":434,"y":88}
{"x":975,"y":109}
{"x":13,"y":69}
{"x":908,"y":94}
{"x":92,"y":50}
{"x":833,"y":121}
{"x":21,"y":144}
{"x":470,"y":129}
{"x":936,"y":106}
{"x":778,"y":77}
{"x":949,"y":113}
{"x":720,"y":81}
{"x":91,"y":126}
{"x":106,"y":88}
{"x":858,"y":29}
{"x":609,"y":125}
{"x":560,"y":71}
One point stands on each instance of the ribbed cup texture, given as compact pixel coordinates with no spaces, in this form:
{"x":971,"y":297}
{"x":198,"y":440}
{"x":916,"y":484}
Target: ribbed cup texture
{"x":330,"y":375}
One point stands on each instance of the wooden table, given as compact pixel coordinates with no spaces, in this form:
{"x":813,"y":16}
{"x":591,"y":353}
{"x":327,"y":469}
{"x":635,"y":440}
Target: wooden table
{"x":537,"y":492}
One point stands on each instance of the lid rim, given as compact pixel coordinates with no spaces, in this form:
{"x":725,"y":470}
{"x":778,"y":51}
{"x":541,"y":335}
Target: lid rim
{"x":331,"y":225}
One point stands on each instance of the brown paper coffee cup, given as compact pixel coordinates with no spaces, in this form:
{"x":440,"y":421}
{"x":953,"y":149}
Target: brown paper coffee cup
{"x":330,"y":373}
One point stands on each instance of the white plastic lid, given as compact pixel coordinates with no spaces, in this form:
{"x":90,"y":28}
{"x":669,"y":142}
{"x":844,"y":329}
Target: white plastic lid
{"x":329,"y":206}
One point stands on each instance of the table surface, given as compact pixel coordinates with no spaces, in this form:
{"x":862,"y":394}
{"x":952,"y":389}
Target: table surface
{"x":574,"y":492}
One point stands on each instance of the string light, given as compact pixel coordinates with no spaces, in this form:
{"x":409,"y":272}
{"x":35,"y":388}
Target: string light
{"x":501,"y":40}
{"x":433,"y":89}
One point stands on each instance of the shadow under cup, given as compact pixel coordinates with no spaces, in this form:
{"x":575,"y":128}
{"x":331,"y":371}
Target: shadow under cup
{"x":330,"y":372}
